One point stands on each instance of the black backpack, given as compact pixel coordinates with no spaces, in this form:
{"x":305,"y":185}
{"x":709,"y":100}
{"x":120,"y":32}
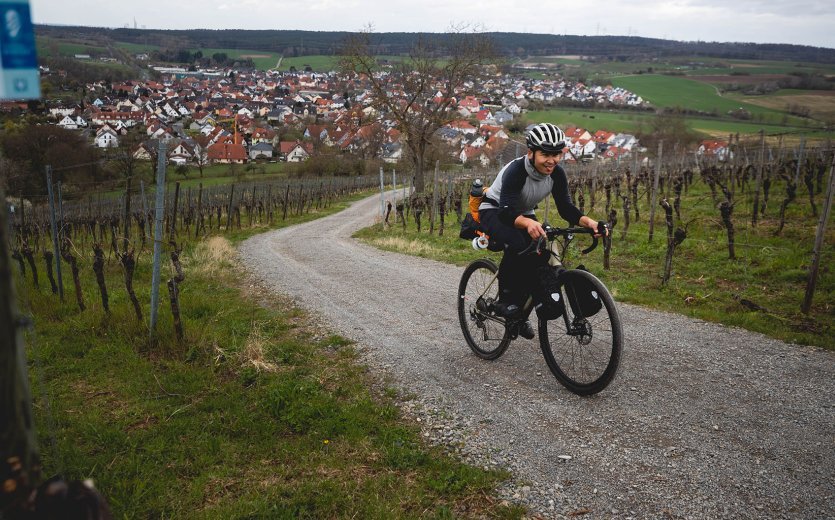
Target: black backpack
{"x":469,"y":228}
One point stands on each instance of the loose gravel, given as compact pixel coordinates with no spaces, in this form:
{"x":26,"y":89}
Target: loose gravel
{"x":703,"y":420}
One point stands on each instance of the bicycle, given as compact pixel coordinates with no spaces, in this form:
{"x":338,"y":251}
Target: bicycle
{"x":582,"y":349}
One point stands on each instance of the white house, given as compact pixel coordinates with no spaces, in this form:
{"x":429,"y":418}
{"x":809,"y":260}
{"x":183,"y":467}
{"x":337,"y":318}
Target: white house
{"x":106,"y":137}
{"x":293,"y":151}
{"x":180,"y":154}
{"x":261,"y":149}
{"x":68,"y":123}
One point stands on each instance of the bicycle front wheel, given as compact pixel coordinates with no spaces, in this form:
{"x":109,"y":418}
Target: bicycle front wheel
{"x":583,"y":351}
{"x":477,"y":292}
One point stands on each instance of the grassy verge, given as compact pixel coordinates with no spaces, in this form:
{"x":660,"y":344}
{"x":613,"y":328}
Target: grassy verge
{"x":258,"y":413}
{"x":768,"y":271}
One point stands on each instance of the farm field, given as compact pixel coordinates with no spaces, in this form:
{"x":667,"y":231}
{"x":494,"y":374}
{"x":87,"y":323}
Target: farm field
{"x":136,"y":47}
{"x":820,"y":103}
{"x":675,"y":91}
{"x":46,"y":47}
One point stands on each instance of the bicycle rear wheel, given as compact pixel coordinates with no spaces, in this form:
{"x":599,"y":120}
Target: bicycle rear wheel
{"x":583,"y":352}
{"x":478,"y":290}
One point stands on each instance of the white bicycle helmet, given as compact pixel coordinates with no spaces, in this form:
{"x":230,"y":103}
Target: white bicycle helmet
{"x":546,"y":137}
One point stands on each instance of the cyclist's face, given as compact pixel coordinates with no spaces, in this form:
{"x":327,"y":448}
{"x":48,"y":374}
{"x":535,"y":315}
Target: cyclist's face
{"x":544,"y":162}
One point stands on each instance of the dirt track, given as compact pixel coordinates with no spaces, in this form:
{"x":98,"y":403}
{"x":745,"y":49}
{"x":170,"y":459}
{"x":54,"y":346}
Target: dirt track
{"x":703,"y":421}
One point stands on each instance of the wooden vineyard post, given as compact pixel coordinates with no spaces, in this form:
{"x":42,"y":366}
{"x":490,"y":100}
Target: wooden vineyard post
{"x":434,"y":199}
{"x":55,"y":253}
{"x":382,"y":194}
{"x":145,"y":217}
{"x":159,"y":216}
{"x":394,"y":189}
{"x":286,"y":201}
{"x":199,"y":221}
{"x":126,"y":216}
{"x":173,"y":231}
{"x":759,"y":180}
{"x":19,"y":461}
{"x":816,"y":253}
{"x":229,"y":208}
{"x":655,"y":190}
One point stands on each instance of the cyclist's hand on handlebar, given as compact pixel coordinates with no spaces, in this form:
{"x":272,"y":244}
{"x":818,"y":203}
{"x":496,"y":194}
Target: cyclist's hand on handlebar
{"x":533,"y":228}
{"x":602,"y":229}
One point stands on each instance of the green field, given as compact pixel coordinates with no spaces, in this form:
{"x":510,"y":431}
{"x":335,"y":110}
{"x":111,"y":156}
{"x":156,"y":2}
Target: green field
{"x":136,"y":48}
{"x":676,"y":91}
{"x":49,"y":47}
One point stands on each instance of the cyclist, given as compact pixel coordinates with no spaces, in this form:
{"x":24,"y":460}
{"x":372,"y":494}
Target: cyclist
{"x":507,"y":214}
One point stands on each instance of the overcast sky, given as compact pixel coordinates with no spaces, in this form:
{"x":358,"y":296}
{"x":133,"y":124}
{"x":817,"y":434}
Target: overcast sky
{"x":801,"y":22}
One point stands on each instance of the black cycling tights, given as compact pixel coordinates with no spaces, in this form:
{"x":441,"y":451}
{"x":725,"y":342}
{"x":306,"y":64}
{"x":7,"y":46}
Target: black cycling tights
{"x":517,"y":274}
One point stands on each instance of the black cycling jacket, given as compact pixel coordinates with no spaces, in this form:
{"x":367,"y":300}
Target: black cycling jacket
{"x":519,"y":188}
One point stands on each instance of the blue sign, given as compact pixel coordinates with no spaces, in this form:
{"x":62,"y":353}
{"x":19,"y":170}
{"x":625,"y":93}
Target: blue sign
{"x":19,"y":77}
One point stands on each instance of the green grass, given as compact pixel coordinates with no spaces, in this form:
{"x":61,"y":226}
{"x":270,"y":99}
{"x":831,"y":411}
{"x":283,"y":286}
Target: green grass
{"x":136,"y":48}
{"x":46,"y":47}
{"x":677,"y":91}
{"x":770,"y":271}
{"x":256,"y":414}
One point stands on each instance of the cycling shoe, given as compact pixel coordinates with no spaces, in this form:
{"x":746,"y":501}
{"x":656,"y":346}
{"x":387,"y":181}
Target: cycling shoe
{"x":507,"y":310}
{"x":526,"y":330}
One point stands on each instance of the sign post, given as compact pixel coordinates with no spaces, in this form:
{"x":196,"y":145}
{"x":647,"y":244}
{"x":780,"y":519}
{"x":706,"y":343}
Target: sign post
{"x":19,"y":77}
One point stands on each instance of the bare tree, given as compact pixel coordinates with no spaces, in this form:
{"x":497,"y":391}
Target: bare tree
{"x":201,"y":153}
{"x":420,"y":92}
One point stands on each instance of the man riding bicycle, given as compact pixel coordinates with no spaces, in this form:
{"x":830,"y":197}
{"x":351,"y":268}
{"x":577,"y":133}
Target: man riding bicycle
{"x":507,"y":214}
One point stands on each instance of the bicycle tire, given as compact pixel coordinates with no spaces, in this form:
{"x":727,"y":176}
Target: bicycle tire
{"x":485,"y":333}
{"x":586,"y":363}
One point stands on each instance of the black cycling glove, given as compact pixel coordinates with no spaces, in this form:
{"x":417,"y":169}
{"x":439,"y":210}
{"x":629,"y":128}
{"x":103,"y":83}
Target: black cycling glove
{"x":603,"y":228}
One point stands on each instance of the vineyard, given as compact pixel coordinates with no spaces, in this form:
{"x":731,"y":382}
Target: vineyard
{"x":99,"y":231}
{"x":741,"y":241}
{"x":236,"y":404}
{"x":762,"y":205}
{"x":221,"y":378}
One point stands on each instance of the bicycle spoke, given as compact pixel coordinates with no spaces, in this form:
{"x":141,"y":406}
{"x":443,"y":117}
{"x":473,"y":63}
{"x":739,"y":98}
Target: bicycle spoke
{"x":485,"y":334}
{"x":585,"y":357}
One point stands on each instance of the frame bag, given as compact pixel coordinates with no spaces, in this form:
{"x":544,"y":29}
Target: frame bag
{"x":548,"y":300}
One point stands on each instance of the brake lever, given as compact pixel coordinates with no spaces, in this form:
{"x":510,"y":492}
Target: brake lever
{"x":591,"y":247}
{"x":535,"y":245}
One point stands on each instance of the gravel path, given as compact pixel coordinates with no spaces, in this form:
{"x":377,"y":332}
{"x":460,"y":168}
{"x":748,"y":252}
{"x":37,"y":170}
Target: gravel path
{"x":703,"y":421}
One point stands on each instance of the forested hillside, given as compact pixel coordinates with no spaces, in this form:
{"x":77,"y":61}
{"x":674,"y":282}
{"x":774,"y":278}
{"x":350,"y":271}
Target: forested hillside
{"x":299,"y":43}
